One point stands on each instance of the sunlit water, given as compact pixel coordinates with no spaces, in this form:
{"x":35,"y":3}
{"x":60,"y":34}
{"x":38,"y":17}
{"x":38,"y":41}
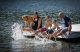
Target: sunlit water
{"x":11,"y":12}
{"x":40,"y":44}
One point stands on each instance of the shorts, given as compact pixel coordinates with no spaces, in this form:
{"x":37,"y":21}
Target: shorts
{"x":43,"y":29}
{"x":50,"y":31}
{"x":63,"y":29}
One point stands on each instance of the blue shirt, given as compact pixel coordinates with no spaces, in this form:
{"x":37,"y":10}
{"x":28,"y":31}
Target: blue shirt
{"x":65,"y":21}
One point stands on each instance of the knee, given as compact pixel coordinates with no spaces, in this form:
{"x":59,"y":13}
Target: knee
{"x":57,"y":31}
{"x":61,"y":31}
{"x":37,"y":30}
{"x":41,"y":32}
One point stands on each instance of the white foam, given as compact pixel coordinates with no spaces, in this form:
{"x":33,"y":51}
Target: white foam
{"x":16,"y":32}
{"x":37,"y":40}
{"x":17,"y":35}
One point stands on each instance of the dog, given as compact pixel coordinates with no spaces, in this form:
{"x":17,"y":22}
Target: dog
{"x":28,"y":20}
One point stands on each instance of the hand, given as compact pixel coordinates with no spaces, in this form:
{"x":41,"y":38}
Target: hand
{"x":37,"y":28}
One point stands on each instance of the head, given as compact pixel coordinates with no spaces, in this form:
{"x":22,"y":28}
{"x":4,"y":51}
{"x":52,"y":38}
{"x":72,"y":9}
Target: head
{"x":61,"y":15}
{"x":25,"y":17}
{"x":54,"y":21}
{"x":47,"y":18}
{"x":35,"y":14}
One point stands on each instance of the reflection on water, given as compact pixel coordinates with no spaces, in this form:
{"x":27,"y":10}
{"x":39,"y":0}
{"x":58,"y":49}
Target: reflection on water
{"x":11,"y":12}
{"x":21,"y":45}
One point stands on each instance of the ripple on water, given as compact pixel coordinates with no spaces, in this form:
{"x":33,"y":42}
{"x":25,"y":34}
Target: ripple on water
{"x":11,"y":13}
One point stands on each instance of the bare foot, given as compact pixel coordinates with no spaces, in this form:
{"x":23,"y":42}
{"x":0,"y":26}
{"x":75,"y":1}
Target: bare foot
{"x":33,"y":35}
{"x":21,"y":29}
{"x":49,"y":36}
{"x":54,"y":36}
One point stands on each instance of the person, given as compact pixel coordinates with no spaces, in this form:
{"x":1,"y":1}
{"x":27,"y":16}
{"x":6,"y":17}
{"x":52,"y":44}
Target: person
{"x":35,"y":25}
{"x":47,"y":23}
{"x":53,"y":27}
{"x":66,"y":28}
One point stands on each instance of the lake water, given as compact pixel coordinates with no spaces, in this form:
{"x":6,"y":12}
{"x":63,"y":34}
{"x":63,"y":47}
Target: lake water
{"x":11,"y":12}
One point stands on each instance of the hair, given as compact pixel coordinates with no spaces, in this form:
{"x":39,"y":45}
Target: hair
{"x":54,"y":20}
{"x":36,"y":13}
{"x":60,"y":13}
{"x":47,"y":16}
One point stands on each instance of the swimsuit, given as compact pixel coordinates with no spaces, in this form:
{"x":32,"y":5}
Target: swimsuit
{"x":35,"y":26}
{"x":43,"y":29}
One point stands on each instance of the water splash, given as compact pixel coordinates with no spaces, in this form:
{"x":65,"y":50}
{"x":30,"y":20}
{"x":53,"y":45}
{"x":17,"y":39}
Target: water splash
{"x":40,"y":41}
{"x":20,"y":42}
{"x":17,"y":35}
{"x":16,"y":32}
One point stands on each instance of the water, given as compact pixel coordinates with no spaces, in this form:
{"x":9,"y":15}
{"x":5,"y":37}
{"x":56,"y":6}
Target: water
{"x":11,"y":12}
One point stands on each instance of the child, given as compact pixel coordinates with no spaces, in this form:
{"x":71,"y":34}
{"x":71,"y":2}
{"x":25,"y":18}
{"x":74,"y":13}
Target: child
{"x":54,"y":26}
{"x":47,"y":23}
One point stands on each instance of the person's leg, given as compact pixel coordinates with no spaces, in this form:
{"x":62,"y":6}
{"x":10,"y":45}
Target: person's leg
{"x":60,"y":33}
{"x":47,"y":36}
{"x":43,"y":33}
{"x":55,"y":33}
{"x":40,"y":30}
{"x":64,"y":30}
{"x":36,"y":32}
{"x":26,"y":29}
{"x":43,"y":29}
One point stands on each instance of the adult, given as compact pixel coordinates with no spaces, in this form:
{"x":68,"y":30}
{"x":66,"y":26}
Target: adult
{"x":65,"y":28}
{"x":36,"y":24}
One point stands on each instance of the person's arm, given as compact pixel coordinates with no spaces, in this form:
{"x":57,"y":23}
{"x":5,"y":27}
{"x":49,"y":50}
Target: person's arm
{"x":39,"y":23}
{"x":50,"y":25}
{"x":58,"y":27}
{"x":69,"y":27}
{"x":62,"y":26}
